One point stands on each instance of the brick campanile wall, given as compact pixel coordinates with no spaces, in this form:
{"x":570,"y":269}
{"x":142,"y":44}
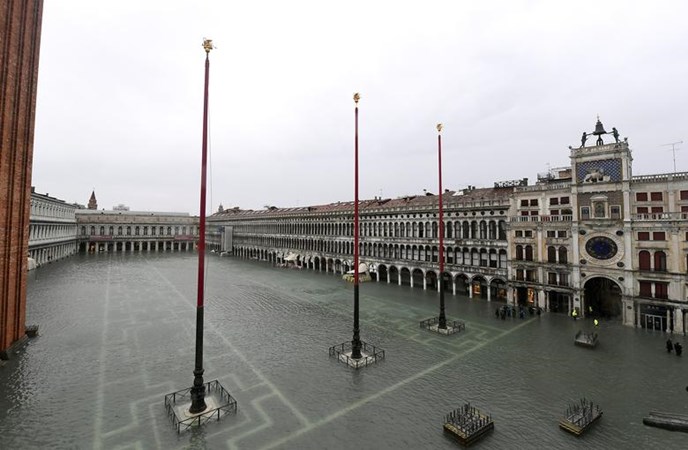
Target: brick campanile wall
{"x":20,"y":35}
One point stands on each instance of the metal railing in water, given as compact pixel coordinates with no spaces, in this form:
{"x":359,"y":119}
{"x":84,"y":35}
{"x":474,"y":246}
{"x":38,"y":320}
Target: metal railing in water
{"x":371,"y":354}
{"x":227,"y":404}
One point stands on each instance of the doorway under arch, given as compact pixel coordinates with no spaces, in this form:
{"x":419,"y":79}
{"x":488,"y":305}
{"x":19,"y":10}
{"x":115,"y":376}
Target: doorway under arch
{"x":604,"y":297}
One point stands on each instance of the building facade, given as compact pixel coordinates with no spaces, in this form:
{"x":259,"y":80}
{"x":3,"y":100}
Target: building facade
{"x":398,"y":241}
{"x":590,"y":237}
{"x":135,"y":231}
{"x":20,"y":28}
{"x":52,"y":229}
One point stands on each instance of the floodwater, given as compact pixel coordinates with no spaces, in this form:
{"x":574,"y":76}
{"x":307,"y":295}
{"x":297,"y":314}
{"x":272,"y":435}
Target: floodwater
{"x":117,"y":334}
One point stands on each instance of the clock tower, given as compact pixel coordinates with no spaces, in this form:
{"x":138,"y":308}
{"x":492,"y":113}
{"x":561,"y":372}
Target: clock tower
{"x":601,"y":226}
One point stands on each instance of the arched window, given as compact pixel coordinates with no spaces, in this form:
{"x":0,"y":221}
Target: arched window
{"x":128,"y":231}
{"x":551,"y":254}
{"x":449,"y":231}
{"x":420,"y":229}
{"x":475,"y":257}
{"x":563,"y":255}
{"x":502,"y":258}
{"x":474,"y":230}
{"x":119,"y":231}
{"x":660,"y":261}
{"x":427,"y":229}
{"x":644,"y":260}
{"x":466,"y":230}
{"x":502,"y":230}
{"x":169,"y":231}
{"x":83,"y":231}
{"x":493,"y":230}
{"x":93,"y":230}
{"x":434,"y":229}
{"x":529,"y":252}
{"x":483,"y":257}
{"x":483,"y":229}
{"x":137,"y":231}
{"x":102,"y":231}
{"x":494,"y":262}
{"x":519,"y":252}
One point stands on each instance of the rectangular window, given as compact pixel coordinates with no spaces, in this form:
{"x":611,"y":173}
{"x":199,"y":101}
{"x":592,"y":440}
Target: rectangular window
{"x":534,"y":213}
{"x":656,"y":196}
{"x":553,"y":212}
{"x":528,"y":233}
{"x":642,"y":210}
{"x":661,"y":290}
{"x":534,"y":202}
{"x":641,"y":196}
{"x":657,"y":210}
{"x":561,"y":233}
{"x":563,"y":279}
{"x":524,"y":203}
{"x":524,"y":213}
{"x":519,"y":233}
{"x":552,"y":278}
{"x":658,"y":236}
{"x":684,"y":208}
{"x":564,"y":200}
{"x":684,"y":195}
{"x":551,"y":233}
{"x":585,"y":212}
{"x":643,"y":235}
{"x":615,"y":212}
{"x":553,"y":201}
{"x":645,"y":289}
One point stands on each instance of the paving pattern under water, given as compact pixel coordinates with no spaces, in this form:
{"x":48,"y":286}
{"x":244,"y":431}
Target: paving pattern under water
{"x":117,"y":334}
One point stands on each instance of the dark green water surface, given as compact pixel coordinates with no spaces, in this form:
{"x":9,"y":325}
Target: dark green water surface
{"x":117,"y":334}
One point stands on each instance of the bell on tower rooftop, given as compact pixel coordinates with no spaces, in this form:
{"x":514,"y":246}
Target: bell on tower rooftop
{"x":599,"y":131}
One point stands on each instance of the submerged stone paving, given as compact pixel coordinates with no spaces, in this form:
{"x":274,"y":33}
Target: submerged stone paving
{"x":117,"y":334}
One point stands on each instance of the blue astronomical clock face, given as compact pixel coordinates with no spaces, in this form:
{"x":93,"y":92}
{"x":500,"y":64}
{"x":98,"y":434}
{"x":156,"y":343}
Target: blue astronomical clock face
{"x":601,"y":247}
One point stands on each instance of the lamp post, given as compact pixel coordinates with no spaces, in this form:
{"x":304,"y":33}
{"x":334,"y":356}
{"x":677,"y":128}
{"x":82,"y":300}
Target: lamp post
{"x":356,"y":342}
{"x":442,"y":319}
{"x":198,"y":404}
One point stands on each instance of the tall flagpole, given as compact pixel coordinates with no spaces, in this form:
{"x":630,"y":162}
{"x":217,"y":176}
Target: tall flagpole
{"x":442,"y":319}
{"x":356,"y":342}
{"x":198,"y":390}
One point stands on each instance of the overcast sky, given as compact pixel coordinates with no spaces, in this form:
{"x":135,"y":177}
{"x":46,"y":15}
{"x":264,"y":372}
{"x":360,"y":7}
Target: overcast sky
{"x":120,"y":95}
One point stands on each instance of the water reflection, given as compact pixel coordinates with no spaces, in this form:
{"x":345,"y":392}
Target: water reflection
{"x":117,"y":334}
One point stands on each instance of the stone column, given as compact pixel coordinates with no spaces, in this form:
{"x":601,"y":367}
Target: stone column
{"x":489,"y":293}
{"x":668,"y":320}
{"x":637,"y":314}
{"x":679,"y":325}
{"x":470,"y":289}
{"x":453,"y":286}
{"x":542,"y":299}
